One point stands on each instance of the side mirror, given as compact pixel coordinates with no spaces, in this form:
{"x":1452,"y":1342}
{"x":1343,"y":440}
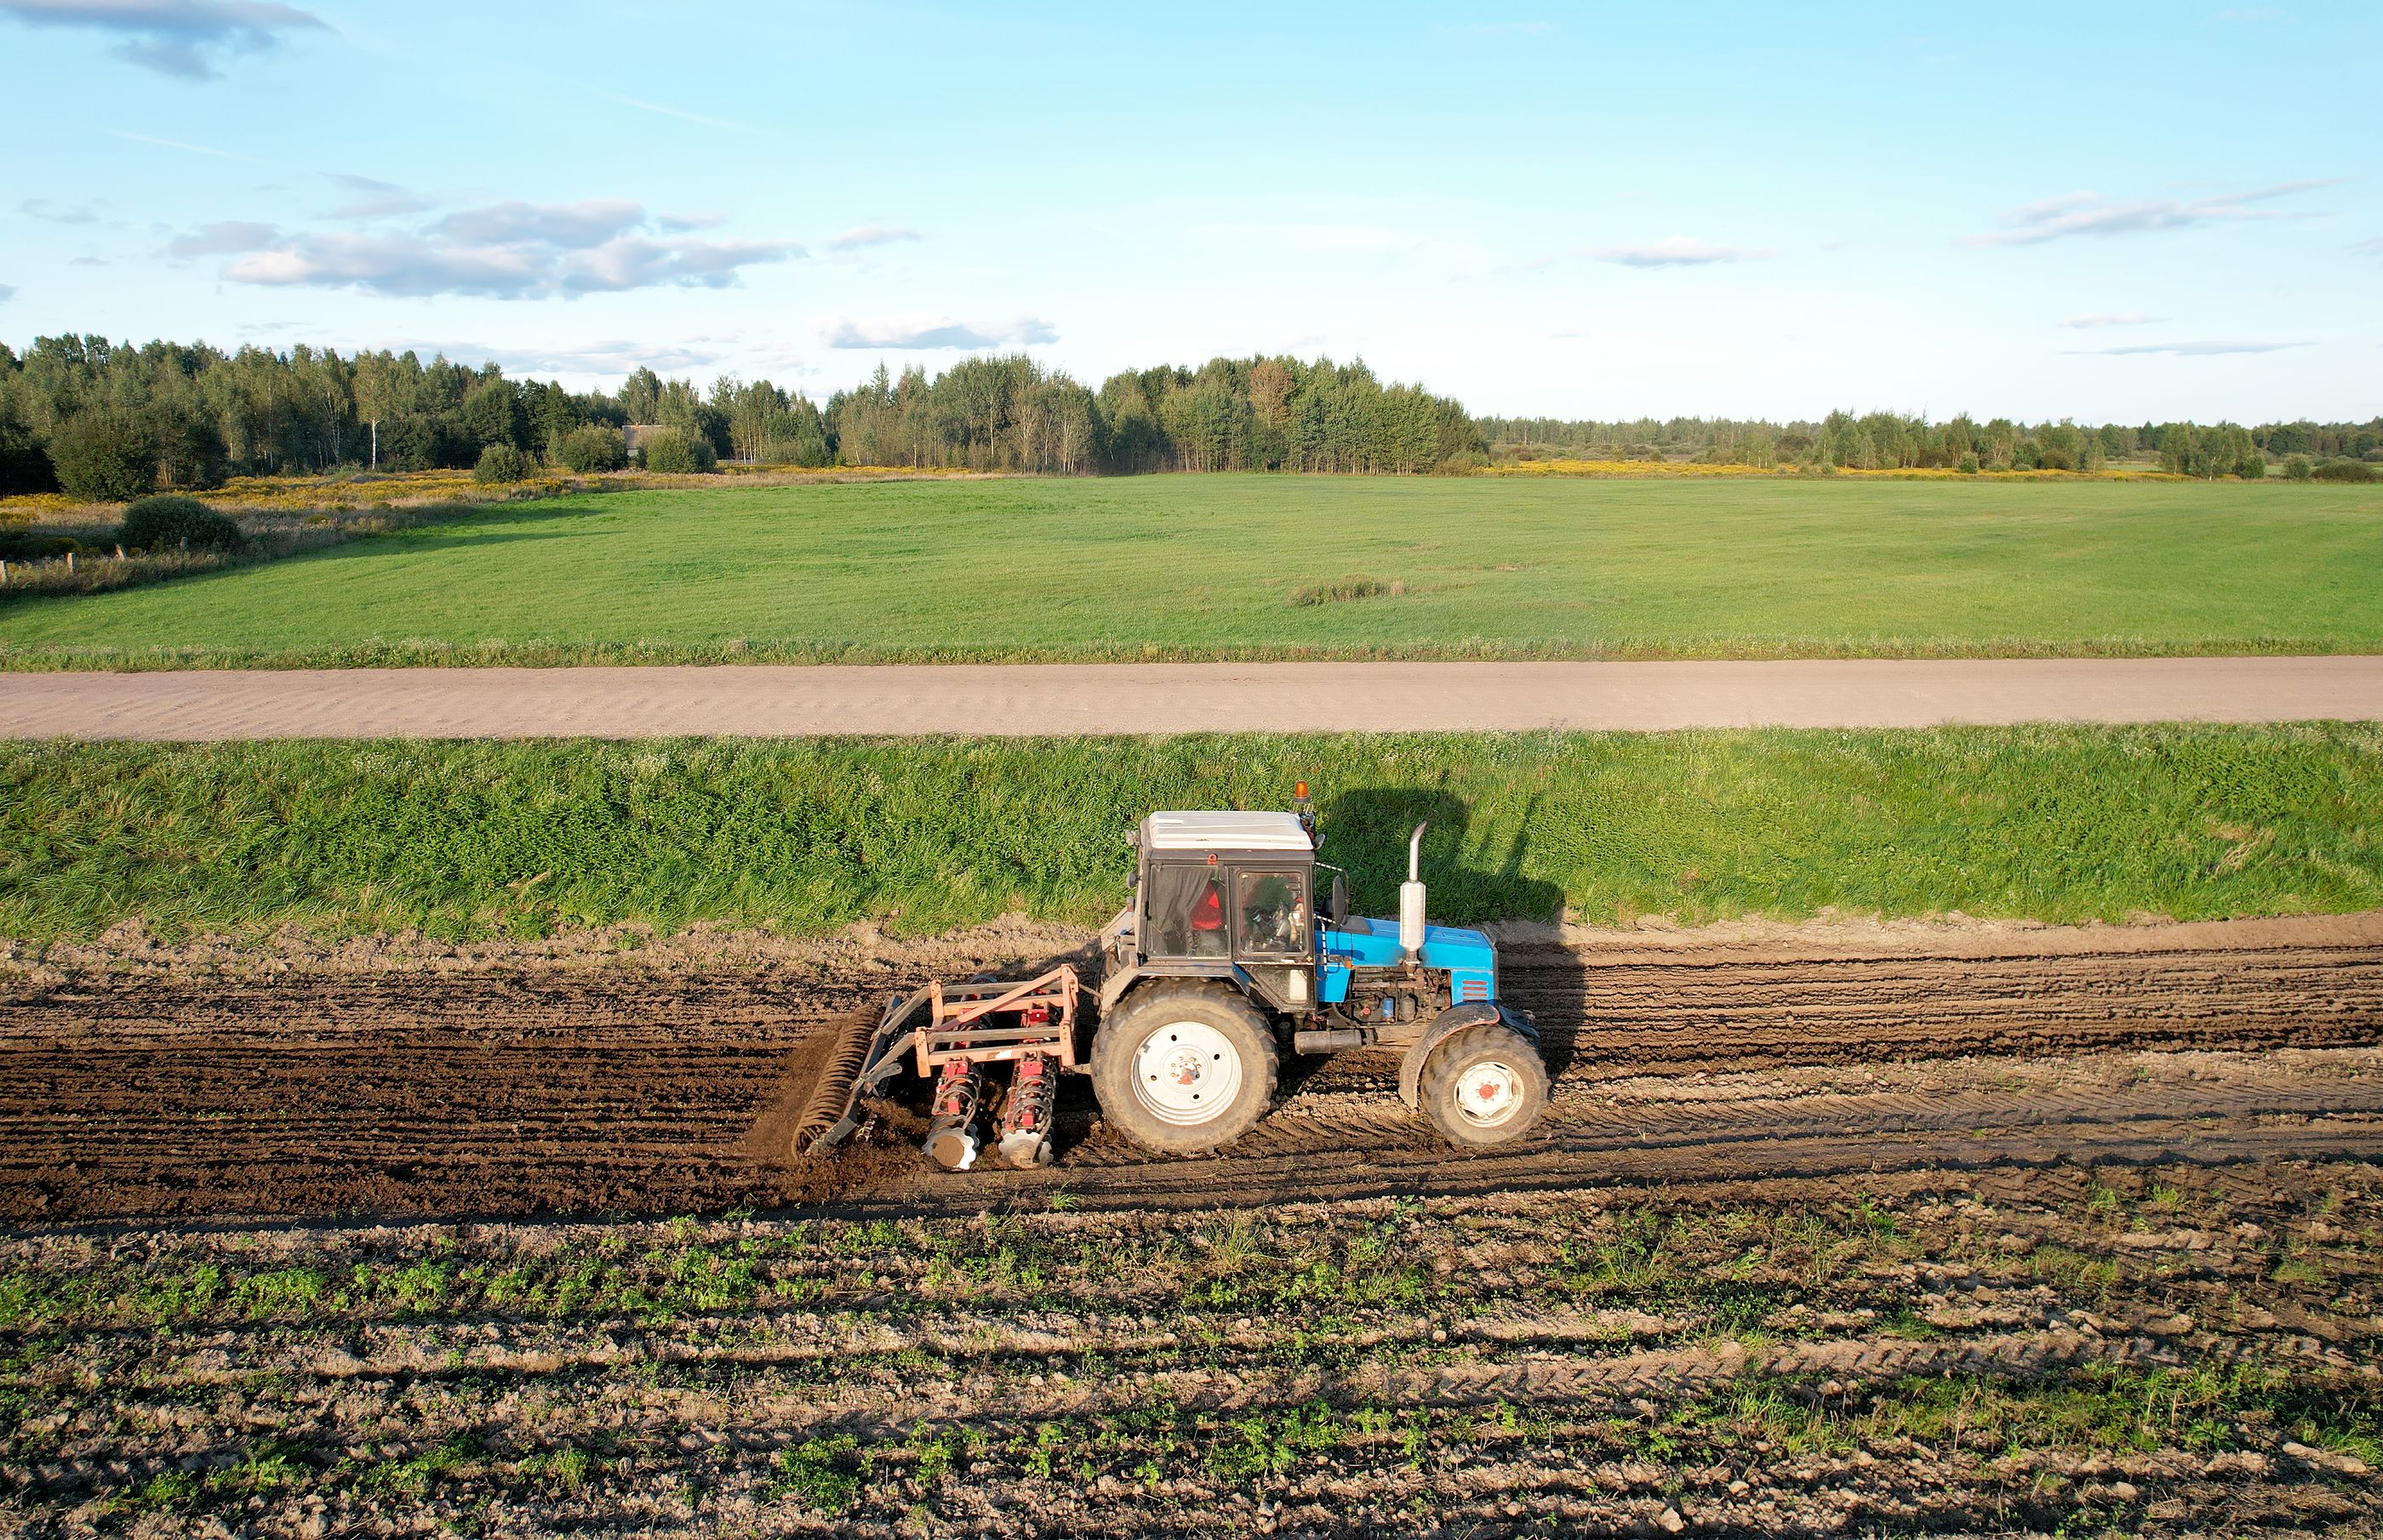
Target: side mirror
{"x":1339,"y":900}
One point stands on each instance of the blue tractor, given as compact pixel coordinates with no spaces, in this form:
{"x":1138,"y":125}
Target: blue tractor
{"x":1238,"y":946}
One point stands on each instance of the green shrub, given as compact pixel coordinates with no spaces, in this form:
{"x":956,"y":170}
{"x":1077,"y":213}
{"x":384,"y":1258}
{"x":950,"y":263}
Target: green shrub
{"x":425,"y":444}
{"x":24,"y":463}
{"x":2296,"y":467}
{"x":500,"y":462}
{"x":195,"y":457}
{"x":2343,"y":470}
{"x":26,"y":545}
{"x":105,"y":456}
{"x":172,"y":523}
{"x":679,"y":454}
{"x":2252,"y":467}
{"x":591,"y":450}
{"x":1968,"y":466}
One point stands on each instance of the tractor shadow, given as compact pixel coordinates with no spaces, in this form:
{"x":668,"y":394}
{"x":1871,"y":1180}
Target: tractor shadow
{"x":1472,"y":881}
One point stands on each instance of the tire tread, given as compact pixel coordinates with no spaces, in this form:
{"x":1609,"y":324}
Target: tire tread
{"x":1111,"y":1085}
{"x":1435,"y":1088}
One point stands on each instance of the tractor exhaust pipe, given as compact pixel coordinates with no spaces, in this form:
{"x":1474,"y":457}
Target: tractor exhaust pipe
{"x":1411,"y":898}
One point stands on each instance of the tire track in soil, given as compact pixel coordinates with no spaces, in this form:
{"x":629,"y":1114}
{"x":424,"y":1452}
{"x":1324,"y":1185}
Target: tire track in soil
{"x":613,"y":1091}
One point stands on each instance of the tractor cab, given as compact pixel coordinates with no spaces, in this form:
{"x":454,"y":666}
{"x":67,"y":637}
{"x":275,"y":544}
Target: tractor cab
{"x":1225,"y":895}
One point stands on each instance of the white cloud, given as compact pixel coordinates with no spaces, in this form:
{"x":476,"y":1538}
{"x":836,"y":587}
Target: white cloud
{"x":8,"y":292}
{"x":2188,"y":350}
{"x":175,"y":37}
{"x":376,"y":199}
{"x":586,"y":223}
{"x":859,"y":236}
{"x":592,"y":358}
{"x":631,"y":261}
{"x":511,"y":251}
{"x":2114,"y":318}
{"x":57,"y":213}
{"x":223,"y":238}
{"x":2090,"y":214}
{"x":929,"y":332}
{"x":1680,"y":250}
{"x":2370,"y":247}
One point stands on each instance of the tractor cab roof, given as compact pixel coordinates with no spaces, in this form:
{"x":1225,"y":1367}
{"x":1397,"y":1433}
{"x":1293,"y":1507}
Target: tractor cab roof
{"x":1203,"y":831}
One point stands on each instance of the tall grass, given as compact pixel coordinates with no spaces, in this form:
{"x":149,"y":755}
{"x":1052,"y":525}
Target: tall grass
{"x":464,"y":839}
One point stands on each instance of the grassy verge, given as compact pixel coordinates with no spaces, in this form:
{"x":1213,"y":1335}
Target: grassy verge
{"x":469,"y":838}
{"x":417,"y":653}
{"x":1225,"y":566}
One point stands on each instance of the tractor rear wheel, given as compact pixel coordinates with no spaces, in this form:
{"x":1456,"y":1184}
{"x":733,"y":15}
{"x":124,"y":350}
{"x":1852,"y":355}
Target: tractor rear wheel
{"x":1483,"y":1086}
{"x":1183,"y":1068}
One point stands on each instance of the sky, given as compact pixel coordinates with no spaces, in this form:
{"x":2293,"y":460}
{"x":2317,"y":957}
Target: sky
{"x":2112,"y":212}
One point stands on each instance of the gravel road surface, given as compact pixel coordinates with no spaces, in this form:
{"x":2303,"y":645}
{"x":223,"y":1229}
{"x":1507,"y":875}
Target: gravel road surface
{"x":1018,"y":699}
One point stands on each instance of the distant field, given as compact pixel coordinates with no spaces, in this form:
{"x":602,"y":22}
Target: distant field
{"x":1253,"y":566}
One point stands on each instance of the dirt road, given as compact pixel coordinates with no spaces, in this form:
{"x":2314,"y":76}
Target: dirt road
{"x":1178,"y":697}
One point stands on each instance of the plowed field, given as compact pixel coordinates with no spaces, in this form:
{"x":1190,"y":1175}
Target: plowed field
{"x":2005,"y":1232}
{"x":495,"y":1093}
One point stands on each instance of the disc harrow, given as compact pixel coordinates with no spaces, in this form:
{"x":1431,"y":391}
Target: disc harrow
{"x":959,"y":1036}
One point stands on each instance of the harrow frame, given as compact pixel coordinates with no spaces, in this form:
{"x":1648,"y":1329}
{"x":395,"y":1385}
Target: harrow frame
{"x":963,"y":1026}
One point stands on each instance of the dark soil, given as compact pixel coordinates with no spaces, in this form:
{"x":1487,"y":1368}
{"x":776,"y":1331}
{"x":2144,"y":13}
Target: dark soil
{"x":488,"y":1093}
{"x":2073,"y":1234}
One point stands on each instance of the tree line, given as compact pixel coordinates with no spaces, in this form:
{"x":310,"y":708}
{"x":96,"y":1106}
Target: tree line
{"x":1888,"y":441}
{"x":113,"y":421}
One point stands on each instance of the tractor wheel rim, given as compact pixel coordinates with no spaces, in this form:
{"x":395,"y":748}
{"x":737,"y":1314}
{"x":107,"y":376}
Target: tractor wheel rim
{"x":1186,"y":1072}
{"x":1488,"y":1093}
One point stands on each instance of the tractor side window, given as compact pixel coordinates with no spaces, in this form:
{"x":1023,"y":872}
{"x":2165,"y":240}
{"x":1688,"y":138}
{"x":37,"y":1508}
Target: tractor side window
{"x":1273,"y":909}
{"x":1187,"y":911}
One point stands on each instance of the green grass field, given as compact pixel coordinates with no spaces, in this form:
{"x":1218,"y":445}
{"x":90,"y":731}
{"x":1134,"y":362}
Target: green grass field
{"x":476,"y":839}
{"x":1185,"y":566}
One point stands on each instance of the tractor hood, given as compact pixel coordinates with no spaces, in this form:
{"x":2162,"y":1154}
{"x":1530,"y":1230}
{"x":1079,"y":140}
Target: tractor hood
{"x":1375,"y":943}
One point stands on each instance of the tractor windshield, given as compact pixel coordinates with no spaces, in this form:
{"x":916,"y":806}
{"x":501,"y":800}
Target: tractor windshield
{"x":1187,"y":911}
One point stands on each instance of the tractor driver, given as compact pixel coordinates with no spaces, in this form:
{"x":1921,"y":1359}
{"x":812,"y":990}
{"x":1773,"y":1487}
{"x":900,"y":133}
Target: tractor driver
{"x":1208,"y":921}
{"x":1273,"y":920}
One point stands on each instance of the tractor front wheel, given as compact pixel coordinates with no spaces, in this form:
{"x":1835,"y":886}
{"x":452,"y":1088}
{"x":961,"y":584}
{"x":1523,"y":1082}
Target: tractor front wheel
{"x":1184,"y":1068}
{"x":1483,"y":1086}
